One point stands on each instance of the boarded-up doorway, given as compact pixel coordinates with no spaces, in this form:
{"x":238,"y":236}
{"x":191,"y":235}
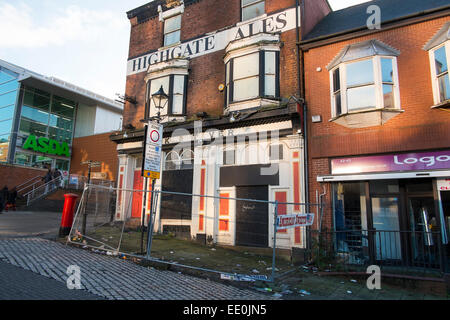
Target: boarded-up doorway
{"x":252,"y":218}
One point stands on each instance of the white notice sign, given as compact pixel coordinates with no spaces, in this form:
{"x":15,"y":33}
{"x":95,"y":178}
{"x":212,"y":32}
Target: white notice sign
{"x":152,"y":151}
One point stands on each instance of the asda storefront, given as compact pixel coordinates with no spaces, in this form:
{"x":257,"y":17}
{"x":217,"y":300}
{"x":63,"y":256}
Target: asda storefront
{"x":46,"y":130}
{"x":41,"y":116}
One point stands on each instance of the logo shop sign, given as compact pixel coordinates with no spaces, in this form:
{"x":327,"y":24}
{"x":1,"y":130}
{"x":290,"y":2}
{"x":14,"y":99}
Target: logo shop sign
{"x":288,"y":221}
{"x":436,"y":160}
{"x":47,"y":146}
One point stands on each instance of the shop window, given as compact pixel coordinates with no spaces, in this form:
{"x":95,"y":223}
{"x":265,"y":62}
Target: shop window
{"x":364,"y":78}
{"x":252,"y":9}
{"x":439,"y":52}
{"x":36,"y":98}
{"x":62,"y":165}
{"x":24,"y":159}
{"x":187,"y":159}
{"x":63,"y":107}
{"x":35,"y":115}
{"x":175,"y":87}
{"x":172,"y":161}
{"x":32,"y":128}
{"x":172,"y":30}
{"x":251,"y":76}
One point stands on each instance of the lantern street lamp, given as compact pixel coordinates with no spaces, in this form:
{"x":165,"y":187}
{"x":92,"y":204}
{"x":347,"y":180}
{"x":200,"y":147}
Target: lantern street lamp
{"x":160,"y":100}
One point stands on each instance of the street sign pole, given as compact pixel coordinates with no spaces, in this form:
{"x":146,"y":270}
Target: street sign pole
{"x":151,"y":166}
{"x":150,"y":221}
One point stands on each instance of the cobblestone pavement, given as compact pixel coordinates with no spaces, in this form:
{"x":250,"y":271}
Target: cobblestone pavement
{"x":112,"y":278}
{"x":19,"y":284}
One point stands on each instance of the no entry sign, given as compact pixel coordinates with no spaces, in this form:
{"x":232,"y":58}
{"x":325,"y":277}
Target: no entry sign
{"x":287,"y":221}
{"x":152,"y":151}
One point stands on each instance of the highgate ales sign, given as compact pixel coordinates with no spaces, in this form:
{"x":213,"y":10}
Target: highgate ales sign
{"x":216,"y":41}
{"x":288,"y":221}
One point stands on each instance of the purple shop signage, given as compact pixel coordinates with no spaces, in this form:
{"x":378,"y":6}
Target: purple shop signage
{"x":394,"y":162}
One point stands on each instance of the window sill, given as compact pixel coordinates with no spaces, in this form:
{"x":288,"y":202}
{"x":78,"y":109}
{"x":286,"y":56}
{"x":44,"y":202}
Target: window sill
{"x":251,"y":104}
{"x":445,"y":104}
{"x":366,"y":118}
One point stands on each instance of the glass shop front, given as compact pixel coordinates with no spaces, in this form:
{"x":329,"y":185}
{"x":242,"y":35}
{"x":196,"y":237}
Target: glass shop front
{"x":399,"y":215}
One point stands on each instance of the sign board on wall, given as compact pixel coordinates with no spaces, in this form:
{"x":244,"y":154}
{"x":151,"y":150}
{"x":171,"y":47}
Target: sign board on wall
{"x":152,"y":151}
{"x":288,"y":221}
{"x":394,"y":162}
{"x":443,"y":184}
{"x":216,"y":41}
{"x":47,"y":146}
{"x":99,"y":175}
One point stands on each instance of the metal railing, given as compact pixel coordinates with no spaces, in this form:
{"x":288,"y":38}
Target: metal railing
{"x":43,"y":190}
{"x":29,"y":184}
{"x":81,"y":181}
{"x":406,"y":250}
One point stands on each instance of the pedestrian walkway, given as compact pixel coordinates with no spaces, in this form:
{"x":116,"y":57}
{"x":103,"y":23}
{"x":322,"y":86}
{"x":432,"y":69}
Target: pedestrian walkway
{"x":19,"y":284}
{"x":113,"y":278}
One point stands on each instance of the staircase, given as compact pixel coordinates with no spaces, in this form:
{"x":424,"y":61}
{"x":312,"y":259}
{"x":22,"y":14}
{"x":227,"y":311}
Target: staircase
{"x":40,"y":191}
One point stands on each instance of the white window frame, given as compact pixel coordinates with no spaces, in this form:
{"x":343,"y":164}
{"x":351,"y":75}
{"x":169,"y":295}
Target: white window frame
{"x":168,"y":110}
{"x":173,"y":31}
{"x":255,"y":2}
{"x":434,"y":76}
{"x":378,"y":83}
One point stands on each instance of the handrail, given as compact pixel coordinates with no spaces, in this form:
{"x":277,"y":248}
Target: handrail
{"x":43,"y":186}
{"x":38,"y":193}
{"x":18,"y":186}
{"x":29,"y":186}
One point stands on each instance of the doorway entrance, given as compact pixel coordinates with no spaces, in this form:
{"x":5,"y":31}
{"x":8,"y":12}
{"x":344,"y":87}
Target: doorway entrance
{"x":252,"y":218}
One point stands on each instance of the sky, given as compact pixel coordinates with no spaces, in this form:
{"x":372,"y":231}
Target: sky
{"x":84,"y":42}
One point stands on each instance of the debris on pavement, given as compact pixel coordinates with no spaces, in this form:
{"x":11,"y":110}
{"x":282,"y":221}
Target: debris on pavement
{"x":304,"y":292}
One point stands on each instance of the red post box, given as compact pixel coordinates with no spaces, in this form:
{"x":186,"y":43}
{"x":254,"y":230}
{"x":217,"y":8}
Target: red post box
{"x":67,"y":215}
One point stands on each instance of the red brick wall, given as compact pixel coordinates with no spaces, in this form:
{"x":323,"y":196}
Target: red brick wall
{"x":98,"y":148}
{"x":12,"y":176}
{"x":313,"y":12}
{"x":207,"y":72}
{"x":418,"y":128}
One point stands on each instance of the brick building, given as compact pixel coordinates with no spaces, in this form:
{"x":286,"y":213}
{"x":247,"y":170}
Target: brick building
{"x":231,"y":70}
{"x":379,"y":126}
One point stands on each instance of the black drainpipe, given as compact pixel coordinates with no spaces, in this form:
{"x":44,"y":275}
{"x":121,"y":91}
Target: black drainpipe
{"x":301,"y":93}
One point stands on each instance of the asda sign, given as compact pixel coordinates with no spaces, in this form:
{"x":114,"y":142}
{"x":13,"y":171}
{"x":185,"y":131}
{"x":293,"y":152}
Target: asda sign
{"x":47,"y":146}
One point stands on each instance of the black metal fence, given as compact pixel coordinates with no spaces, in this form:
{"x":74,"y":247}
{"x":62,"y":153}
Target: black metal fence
{"x":351,"y":250}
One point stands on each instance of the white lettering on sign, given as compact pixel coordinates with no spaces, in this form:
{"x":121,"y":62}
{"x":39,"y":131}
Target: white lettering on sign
{"x":294,"y":220}
{"x":216,"y":41}
{"x":429,"y":160}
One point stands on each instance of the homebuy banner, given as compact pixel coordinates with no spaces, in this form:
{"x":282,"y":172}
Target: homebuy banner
{"x":287,"y":221}
{"x":216,"y":41}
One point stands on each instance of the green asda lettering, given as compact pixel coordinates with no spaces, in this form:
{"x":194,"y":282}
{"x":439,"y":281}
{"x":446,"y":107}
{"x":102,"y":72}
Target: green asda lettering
{"x":46,"y":145}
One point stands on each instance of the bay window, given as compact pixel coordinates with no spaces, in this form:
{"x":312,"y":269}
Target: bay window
{"x":252,"y":76}
{"x":364,"y":78}
{"x":439,"y":52}
{"x":175,"y":87}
